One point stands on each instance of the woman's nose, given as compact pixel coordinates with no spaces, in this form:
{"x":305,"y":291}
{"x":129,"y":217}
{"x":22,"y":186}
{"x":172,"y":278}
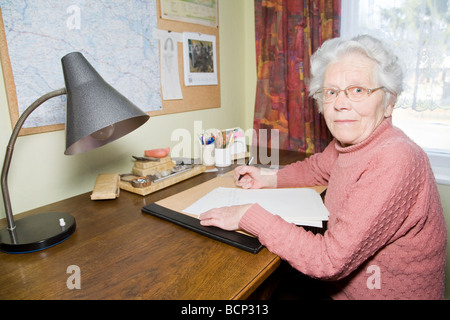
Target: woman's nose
{"x":342,"y":102}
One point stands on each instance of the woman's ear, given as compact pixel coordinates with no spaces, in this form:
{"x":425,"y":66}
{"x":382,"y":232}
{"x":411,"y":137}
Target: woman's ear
{"x":388,"y":110}
{"x":390,"y":106}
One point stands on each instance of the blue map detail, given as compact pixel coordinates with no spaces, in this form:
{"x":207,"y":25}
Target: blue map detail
{"x":114,"y":36}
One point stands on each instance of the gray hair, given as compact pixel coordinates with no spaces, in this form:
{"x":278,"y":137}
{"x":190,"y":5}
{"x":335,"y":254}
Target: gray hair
{"x":388,"y":72}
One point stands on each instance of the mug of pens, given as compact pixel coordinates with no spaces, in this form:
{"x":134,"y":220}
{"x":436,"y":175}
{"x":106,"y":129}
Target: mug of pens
{"x":216,"y":148}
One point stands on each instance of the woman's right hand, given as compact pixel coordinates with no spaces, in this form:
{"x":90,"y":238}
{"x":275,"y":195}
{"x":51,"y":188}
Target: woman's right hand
{"x":255,"y":178}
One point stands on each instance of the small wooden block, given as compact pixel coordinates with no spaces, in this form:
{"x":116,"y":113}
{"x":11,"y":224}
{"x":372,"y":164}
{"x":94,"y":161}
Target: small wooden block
{"x":151,"y":164}
{"x":106,"y":186}
{"x":159,"y":167}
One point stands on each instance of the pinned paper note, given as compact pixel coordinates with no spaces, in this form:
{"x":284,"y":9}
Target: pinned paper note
{"x":170,"y":76}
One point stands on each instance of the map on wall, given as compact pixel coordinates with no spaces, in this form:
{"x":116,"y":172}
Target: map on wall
{"x":114,"y":36}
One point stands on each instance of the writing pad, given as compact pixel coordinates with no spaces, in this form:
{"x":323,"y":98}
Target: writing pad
{"x":236,"y":239}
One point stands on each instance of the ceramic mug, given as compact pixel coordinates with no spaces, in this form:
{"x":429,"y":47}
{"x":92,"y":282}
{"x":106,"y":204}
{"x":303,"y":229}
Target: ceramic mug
{"x":222,"y":157}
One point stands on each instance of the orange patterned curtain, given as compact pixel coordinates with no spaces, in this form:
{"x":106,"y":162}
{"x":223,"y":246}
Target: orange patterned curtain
{"x":287,"y":33}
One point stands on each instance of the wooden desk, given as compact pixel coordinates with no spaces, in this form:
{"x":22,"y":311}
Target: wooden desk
{"x":125,"y":254}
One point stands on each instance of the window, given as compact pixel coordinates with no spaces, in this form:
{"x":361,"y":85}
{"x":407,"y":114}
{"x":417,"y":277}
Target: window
{"x":420,"y":35}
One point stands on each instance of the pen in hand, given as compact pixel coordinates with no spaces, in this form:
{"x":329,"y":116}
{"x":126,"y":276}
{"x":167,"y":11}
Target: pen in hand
{"x":248,"y":163}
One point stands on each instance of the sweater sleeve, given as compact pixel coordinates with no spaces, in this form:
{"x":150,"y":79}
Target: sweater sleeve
{"x":313,"y":171}
{"x":390,"y":184}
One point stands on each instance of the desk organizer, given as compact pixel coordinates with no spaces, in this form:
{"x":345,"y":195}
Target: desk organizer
{"x":150,"y":168}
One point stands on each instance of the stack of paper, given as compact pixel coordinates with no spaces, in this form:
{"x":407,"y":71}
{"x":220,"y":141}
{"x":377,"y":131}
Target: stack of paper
{"x":301,"y":206}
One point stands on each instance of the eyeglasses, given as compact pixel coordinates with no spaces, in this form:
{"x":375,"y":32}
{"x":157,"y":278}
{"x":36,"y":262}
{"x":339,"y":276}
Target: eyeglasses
{"x":354,"y":93}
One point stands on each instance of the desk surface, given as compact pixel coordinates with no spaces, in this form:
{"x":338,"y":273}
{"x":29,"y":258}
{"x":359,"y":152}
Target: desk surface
{"x":123,"y":253}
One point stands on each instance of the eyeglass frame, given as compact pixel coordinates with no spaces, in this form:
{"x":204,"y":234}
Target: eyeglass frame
{"x":338,"y":91}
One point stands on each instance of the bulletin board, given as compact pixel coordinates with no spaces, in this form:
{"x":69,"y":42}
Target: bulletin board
{"x":193,"y":97}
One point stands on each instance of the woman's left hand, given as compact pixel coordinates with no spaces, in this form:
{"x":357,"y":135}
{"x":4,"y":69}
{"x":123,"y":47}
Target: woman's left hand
{"x":226,"y":218}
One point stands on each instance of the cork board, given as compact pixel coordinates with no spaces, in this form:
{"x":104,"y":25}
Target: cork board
{"x":194,"y":97}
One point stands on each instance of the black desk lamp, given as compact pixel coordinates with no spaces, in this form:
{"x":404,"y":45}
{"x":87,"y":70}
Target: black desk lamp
{"x":96,"y":115}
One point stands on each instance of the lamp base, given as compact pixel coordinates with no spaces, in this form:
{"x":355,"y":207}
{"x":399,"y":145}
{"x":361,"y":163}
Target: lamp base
{"x":37,"y":232}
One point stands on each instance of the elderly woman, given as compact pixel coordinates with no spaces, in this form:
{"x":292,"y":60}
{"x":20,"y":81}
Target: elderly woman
{"x":386,"y":235}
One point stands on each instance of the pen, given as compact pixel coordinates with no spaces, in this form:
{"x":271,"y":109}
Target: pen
{"x":248,"y":163}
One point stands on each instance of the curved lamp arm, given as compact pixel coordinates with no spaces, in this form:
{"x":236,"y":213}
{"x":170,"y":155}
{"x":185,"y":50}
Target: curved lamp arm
{"x":10,"y":148}
{"x":89,"y":96}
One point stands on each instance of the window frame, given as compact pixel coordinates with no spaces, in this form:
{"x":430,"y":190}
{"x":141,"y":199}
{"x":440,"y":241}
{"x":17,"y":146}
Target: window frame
{"x":439,"y":159}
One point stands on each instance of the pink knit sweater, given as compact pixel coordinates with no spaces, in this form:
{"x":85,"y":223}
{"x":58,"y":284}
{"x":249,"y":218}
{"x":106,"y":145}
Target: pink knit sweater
{"x":386,"y":235}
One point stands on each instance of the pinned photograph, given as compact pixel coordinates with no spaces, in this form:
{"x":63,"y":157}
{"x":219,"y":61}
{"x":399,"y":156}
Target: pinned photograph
{"x":200,"y":62}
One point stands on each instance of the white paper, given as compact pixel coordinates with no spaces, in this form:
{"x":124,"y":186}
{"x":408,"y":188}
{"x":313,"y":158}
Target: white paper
{"x":170,"y":77}
{"x":301,"y":206}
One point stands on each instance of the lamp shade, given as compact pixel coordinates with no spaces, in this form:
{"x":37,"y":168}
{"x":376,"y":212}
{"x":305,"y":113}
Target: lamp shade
{"x":96,"y":113}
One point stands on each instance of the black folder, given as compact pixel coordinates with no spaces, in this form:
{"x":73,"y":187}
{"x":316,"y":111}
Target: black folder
{"x":236,"y":239}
